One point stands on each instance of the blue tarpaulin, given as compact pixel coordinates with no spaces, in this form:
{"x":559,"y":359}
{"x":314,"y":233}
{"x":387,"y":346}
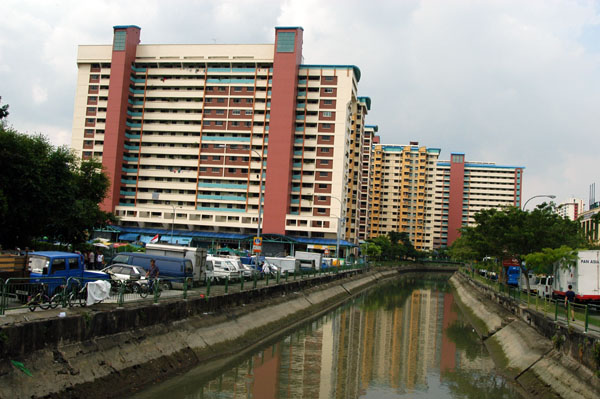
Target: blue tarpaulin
{"x":129,"y":237}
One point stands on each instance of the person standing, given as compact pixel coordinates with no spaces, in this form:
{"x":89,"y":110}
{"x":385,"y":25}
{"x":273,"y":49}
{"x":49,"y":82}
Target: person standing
{"x":570,"y":297}
{"x":91,"y":259}
{"x":99,"y":260}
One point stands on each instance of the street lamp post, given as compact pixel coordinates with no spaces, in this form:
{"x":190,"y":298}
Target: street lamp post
{"x":173,"y":222}
{"x":551,"y":196}
{"x":340,"y":220}
{"x":259,"y":193}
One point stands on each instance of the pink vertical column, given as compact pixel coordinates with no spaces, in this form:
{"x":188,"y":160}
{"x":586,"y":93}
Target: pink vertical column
{"x":126,"y":39}
{"x":457,"y":187}
{"x":286,"y":61}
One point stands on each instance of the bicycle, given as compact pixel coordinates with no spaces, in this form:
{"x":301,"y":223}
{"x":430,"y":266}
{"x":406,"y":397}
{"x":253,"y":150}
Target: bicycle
{"x":78,"y":294}
{"x":40,"y":298}
{"x":148,"y":287}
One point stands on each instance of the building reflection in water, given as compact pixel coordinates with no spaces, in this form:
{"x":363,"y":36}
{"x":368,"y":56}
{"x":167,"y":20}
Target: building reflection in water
{"x":396,"y":340}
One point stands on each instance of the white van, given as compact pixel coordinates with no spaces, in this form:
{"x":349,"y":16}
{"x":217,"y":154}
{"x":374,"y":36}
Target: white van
{"x":219,"y":268}
{"x":544,"y":286}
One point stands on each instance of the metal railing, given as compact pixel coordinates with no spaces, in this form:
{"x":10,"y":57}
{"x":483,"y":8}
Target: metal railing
{"x":583,"y":315}
{"x":16,"y":293}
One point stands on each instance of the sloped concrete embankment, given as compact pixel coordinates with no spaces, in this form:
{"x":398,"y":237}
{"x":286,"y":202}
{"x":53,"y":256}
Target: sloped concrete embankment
{"x":152,"y":343}
{"x":520,"y":351}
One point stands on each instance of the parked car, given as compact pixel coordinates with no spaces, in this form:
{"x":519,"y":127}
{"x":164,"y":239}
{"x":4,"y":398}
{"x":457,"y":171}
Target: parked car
{"x":54,"y":268}
{"x":123,"y":272}
{"x":132,"y":276}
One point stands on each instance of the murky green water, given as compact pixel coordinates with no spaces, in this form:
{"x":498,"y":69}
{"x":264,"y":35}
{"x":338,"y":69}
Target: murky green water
{"x":407,"y":339}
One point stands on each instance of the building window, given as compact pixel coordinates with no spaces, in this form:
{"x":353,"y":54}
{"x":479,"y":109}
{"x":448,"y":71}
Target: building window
{"x":248,"y":112}
{"x":328,"y":102}
{"x":220,"y":112}
{"x":458,"y":158}
{"x":329,"y":78}
{"x":236,"y":112}
{"x":119,"y":40}
{"x":327,"y":114}
{"x":326,"y":125}
{"x":237,"y":100}
{"x":286,"y":42}
{"x":328,"y":90}
{"x":219,"y":123}
{"x":237,"y":88}
{"x":220,"y":100}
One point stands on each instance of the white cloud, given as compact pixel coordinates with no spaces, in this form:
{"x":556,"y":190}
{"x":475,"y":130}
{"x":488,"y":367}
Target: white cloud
{"x":39,"y":94}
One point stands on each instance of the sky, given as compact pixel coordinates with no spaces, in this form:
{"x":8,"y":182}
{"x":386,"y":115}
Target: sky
{"x":511,"y":82}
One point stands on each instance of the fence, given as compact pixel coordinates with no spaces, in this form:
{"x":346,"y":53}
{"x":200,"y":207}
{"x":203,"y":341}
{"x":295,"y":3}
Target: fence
{"x":11,"y":263}
{"x":584,"y":315}
{"x":50,"y":293}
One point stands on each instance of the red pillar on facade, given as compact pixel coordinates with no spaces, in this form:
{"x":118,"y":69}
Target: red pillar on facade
{"x":286,"y":62}
{"x":455,"y":202}
{"x":126,"y":39}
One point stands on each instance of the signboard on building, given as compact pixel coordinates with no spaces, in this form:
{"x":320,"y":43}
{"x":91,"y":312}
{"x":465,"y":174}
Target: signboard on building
{"x":257,"y":244}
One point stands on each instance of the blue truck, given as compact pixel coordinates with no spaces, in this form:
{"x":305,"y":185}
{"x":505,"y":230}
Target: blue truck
{"x":513,"y":273}
{"x":54,"y":268}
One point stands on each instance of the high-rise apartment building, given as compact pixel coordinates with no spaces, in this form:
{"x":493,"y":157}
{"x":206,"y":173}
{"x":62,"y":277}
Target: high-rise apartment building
{"x":358,"y":172}
{"x":194,"y":136}
{"x":464,"y":188}
{"x":571,"y":209}
{"x":401,"y":177}
{"x":413,"y":192}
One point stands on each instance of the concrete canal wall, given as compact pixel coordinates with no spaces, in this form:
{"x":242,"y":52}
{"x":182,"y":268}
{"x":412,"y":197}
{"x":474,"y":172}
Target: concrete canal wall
{"x":109,"y":352}
{"x":546,"y":359}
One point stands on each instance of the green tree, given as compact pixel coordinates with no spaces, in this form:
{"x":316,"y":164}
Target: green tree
{"x":45,"y":191}
{"x":370,"y":249}
{"x":3,"y":111}
{"x":542,"y":262}
{"x":383,"y":242}
{"x":512,"y":232}
{"x":461,"y":250}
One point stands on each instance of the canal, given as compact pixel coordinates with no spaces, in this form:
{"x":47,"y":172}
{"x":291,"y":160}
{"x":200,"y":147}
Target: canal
{"x":404,"y":339}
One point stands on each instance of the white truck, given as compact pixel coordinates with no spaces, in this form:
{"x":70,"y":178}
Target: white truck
{"x":196,"y":255}
{"x":584,"y":277}
{"x":288,"y":264}
{"x":309,"y":260}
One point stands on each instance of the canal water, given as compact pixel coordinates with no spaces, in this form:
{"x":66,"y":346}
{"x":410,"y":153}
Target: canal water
{"x":405,"y":339}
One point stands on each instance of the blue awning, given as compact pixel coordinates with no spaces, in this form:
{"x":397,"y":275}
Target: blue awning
{"x":129,"y":237}
{"x":146,"y":239}
{"x":177,"y":240}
